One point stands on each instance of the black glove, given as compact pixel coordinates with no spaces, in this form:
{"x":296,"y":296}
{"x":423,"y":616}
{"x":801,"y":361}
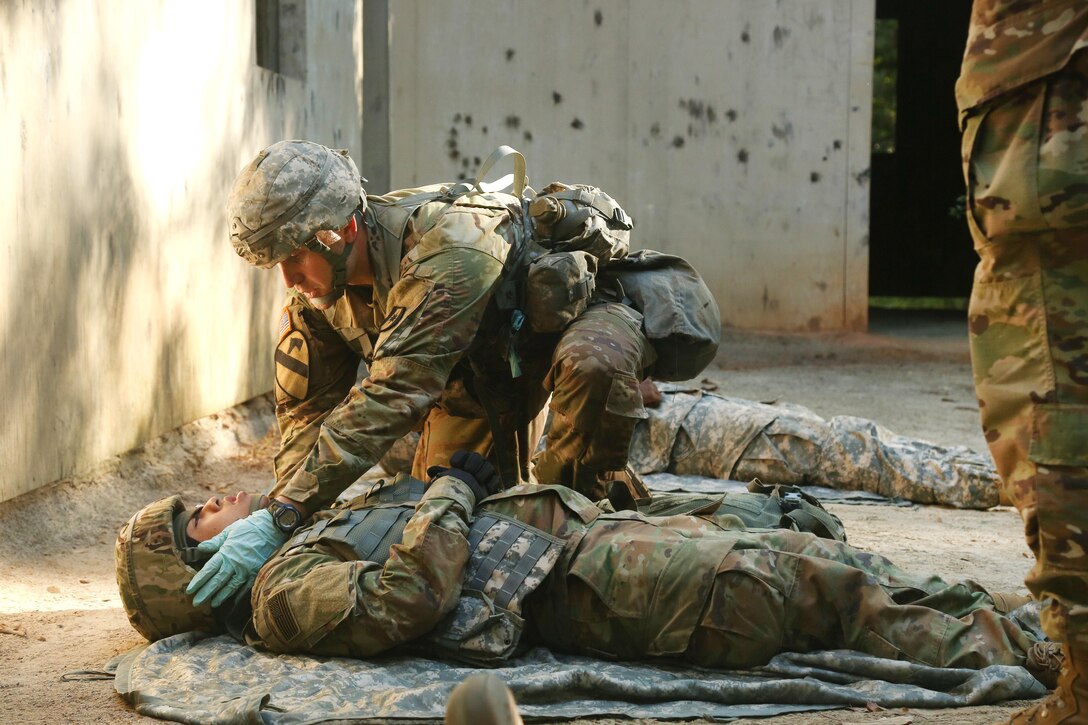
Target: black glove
{"x":473,"y":469}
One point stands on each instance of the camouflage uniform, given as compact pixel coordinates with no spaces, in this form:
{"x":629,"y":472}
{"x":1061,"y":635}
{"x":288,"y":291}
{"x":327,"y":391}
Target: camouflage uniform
{"x":435,"y":342}
{"x":1023,"y":99}
{"x":696,"y":433}
{"x":629,"y":586}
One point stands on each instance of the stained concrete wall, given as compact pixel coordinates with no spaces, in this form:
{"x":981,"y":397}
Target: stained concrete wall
{"x":123,"y":310}
{"x":736,"y":132}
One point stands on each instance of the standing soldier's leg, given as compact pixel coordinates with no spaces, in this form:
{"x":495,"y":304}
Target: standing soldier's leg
{"x":1029,"y":327}
{"x":1027,"y":175}
{"x":593,"y":380}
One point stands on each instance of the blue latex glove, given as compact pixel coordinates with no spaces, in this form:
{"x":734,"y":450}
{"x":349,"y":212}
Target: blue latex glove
{"x":240,"y":551}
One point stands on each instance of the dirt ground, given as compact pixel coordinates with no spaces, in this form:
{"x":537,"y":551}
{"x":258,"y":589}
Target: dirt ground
{"x":59,"y":609}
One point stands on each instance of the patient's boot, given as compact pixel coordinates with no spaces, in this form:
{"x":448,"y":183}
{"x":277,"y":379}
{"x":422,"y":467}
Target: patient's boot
{"x":1005,"y":602}
{"x":1068,"y":703}
{"x":482,"y":699}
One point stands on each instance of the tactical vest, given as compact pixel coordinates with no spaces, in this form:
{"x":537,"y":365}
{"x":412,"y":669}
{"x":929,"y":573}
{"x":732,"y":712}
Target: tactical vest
{"x":565,"y":240}
{"x":508,"y":560}
{"x":765,"y":506}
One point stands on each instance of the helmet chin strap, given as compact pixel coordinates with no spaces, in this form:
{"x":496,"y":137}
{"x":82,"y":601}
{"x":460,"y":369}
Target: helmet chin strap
{"x":339,"y":264}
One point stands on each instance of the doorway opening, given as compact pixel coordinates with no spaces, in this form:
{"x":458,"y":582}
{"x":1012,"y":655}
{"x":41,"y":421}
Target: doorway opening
{"x":920,"y":253}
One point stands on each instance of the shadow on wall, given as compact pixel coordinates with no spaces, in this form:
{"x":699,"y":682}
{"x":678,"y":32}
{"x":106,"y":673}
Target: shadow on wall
{"x":126,"y":318}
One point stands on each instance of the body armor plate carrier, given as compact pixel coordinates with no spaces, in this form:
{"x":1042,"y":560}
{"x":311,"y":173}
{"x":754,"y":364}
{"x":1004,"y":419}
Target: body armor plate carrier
{"x":508,"y":560}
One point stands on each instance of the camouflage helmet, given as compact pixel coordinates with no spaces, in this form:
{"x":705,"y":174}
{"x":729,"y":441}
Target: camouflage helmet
{"x":291,"y":191}
{"x":153,"y":571}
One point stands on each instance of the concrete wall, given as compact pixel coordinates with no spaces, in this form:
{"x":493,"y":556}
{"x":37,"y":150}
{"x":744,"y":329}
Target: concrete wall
{"x":736,"y":132}
{"x":123,"y":310}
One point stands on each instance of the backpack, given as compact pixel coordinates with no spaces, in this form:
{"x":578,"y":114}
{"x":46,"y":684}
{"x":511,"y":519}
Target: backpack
{"x":679,"y":314}
{"x":578,"y":250}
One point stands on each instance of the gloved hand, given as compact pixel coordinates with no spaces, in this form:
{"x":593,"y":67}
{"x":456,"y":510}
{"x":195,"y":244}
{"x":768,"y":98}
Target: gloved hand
{"x":473,"y":469}
{"x":240,"y":551}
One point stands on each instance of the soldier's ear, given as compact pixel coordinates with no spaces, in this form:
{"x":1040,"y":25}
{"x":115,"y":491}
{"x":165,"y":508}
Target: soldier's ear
{"x":350,"y":230}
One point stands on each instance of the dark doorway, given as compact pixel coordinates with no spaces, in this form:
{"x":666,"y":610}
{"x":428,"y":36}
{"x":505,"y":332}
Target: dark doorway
{"x":919,"y":243}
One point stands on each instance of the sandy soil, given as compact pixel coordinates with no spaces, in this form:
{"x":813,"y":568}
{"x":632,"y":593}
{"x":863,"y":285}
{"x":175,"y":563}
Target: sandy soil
{"x":59,"y":609}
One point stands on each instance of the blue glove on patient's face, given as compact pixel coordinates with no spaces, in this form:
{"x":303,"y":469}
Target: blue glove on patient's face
{"x":240,"y":551}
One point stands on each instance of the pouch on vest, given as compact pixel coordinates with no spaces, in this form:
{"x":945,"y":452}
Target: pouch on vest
{"x":680,"y":316}
{"x":558,"y":289}
{"x":580,"y":217}
{"x":508,"y":560}
{"x":796,"y":510}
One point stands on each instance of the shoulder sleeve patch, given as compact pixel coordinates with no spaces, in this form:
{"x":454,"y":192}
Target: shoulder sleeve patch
{"x":293,"y":366}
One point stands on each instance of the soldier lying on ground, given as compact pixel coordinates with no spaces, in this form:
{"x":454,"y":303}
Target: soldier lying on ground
{"x":699,"y":433}
{"x":547,"y":564}
{"x":692,"y":432}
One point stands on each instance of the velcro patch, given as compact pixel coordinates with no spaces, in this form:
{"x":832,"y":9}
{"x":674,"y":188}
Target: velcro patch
{"x":293,"y":365}
{"x":283,"y":617}
{"x":393,"y":319}
{"x":285,"y":324}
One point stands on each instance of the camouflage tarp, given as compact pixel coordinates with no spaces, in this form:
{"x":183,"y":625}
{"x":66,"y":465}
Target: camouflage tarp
{"x":697,"y":433}
{"x":218,"y":681}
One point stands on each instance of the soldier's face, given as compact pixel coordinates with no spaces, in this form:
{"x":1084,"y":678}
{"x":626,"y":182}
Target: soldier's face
{"x":307,"y":272}
{"x":218,"y":512}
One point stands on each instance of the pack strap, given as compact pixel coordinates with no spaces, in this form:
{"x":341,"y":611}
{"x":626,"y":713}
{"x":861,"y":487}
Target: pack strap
{"x":518,"y":178}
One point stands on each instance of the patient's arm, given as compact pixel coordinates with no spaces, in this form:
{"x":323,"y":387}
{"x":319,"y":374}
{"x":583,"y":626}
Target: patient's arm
{"x":313,"y":601}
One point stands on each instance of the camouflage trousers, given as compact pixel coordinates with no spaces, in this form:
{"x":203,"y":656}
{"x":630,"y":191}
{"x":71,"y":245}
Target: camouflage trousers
{"x":1026,"y":165}
{"x":592,"y":378}
{"x":786,"y":591}
{"x":696,"y":433}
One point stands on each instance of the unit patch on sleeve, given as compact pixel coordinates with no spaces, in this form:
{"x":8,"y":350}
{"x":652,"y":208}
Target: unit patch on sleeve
{"x":394,"y":318}
{"x":293,"y":365}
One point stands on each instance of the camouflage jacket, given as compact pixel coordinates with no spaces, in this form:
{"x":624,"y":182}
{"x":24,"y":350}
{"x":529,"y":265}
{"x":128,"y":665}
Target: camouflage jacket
{"x":1014,"y":42}
{"x":435,"y":274}
{"x":624,"y":585}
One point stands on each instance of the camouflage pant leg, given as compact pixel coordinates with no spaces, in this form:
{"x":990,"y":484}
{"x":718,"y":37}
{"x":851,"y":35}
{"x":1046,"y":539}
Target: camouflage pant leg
{"x":443,"y":435}
{"x":794,"y":592}
{"x":1027,"y":170}
{"x":593,"y":380}
{"x":799,"y":447}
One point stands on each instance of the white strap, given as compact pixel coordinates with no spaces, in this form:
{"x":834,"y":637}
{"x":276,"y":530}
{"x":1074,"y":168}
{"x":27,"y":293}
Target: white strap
{"x":518,"y":178}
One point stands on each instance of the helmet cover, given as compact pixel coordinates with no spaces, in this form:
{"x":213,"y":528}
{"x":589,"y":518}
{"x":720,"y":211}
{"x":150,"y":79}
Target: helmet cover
{"x":152,"y":575}
{"x":288,"y":193}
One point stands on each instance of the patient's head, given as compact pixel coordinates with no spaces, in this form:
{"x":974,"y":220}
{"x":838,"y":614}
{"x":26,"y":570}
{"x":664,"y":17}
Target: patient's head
{"x":208,"y":519}
{"x":157,"y":558}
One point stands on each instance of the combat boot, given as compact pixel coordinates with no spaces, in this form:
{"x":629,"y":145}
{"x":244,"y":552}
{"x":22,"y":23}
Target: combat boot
{"x":1068,"y":703}
{"x":1005,"y":602}
{"x":482,"y":699}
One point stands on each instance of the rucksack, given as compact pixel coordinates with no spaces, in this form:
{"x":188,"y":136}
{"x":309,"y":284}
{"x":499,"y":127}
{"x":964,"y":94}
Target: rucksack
{"x":680,"y":316}
{"x":578,"y":250}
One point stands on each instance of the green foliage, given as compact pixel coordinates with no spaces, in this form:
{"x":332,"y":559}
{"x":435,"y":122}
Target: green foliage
{"x":885,"y":70}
